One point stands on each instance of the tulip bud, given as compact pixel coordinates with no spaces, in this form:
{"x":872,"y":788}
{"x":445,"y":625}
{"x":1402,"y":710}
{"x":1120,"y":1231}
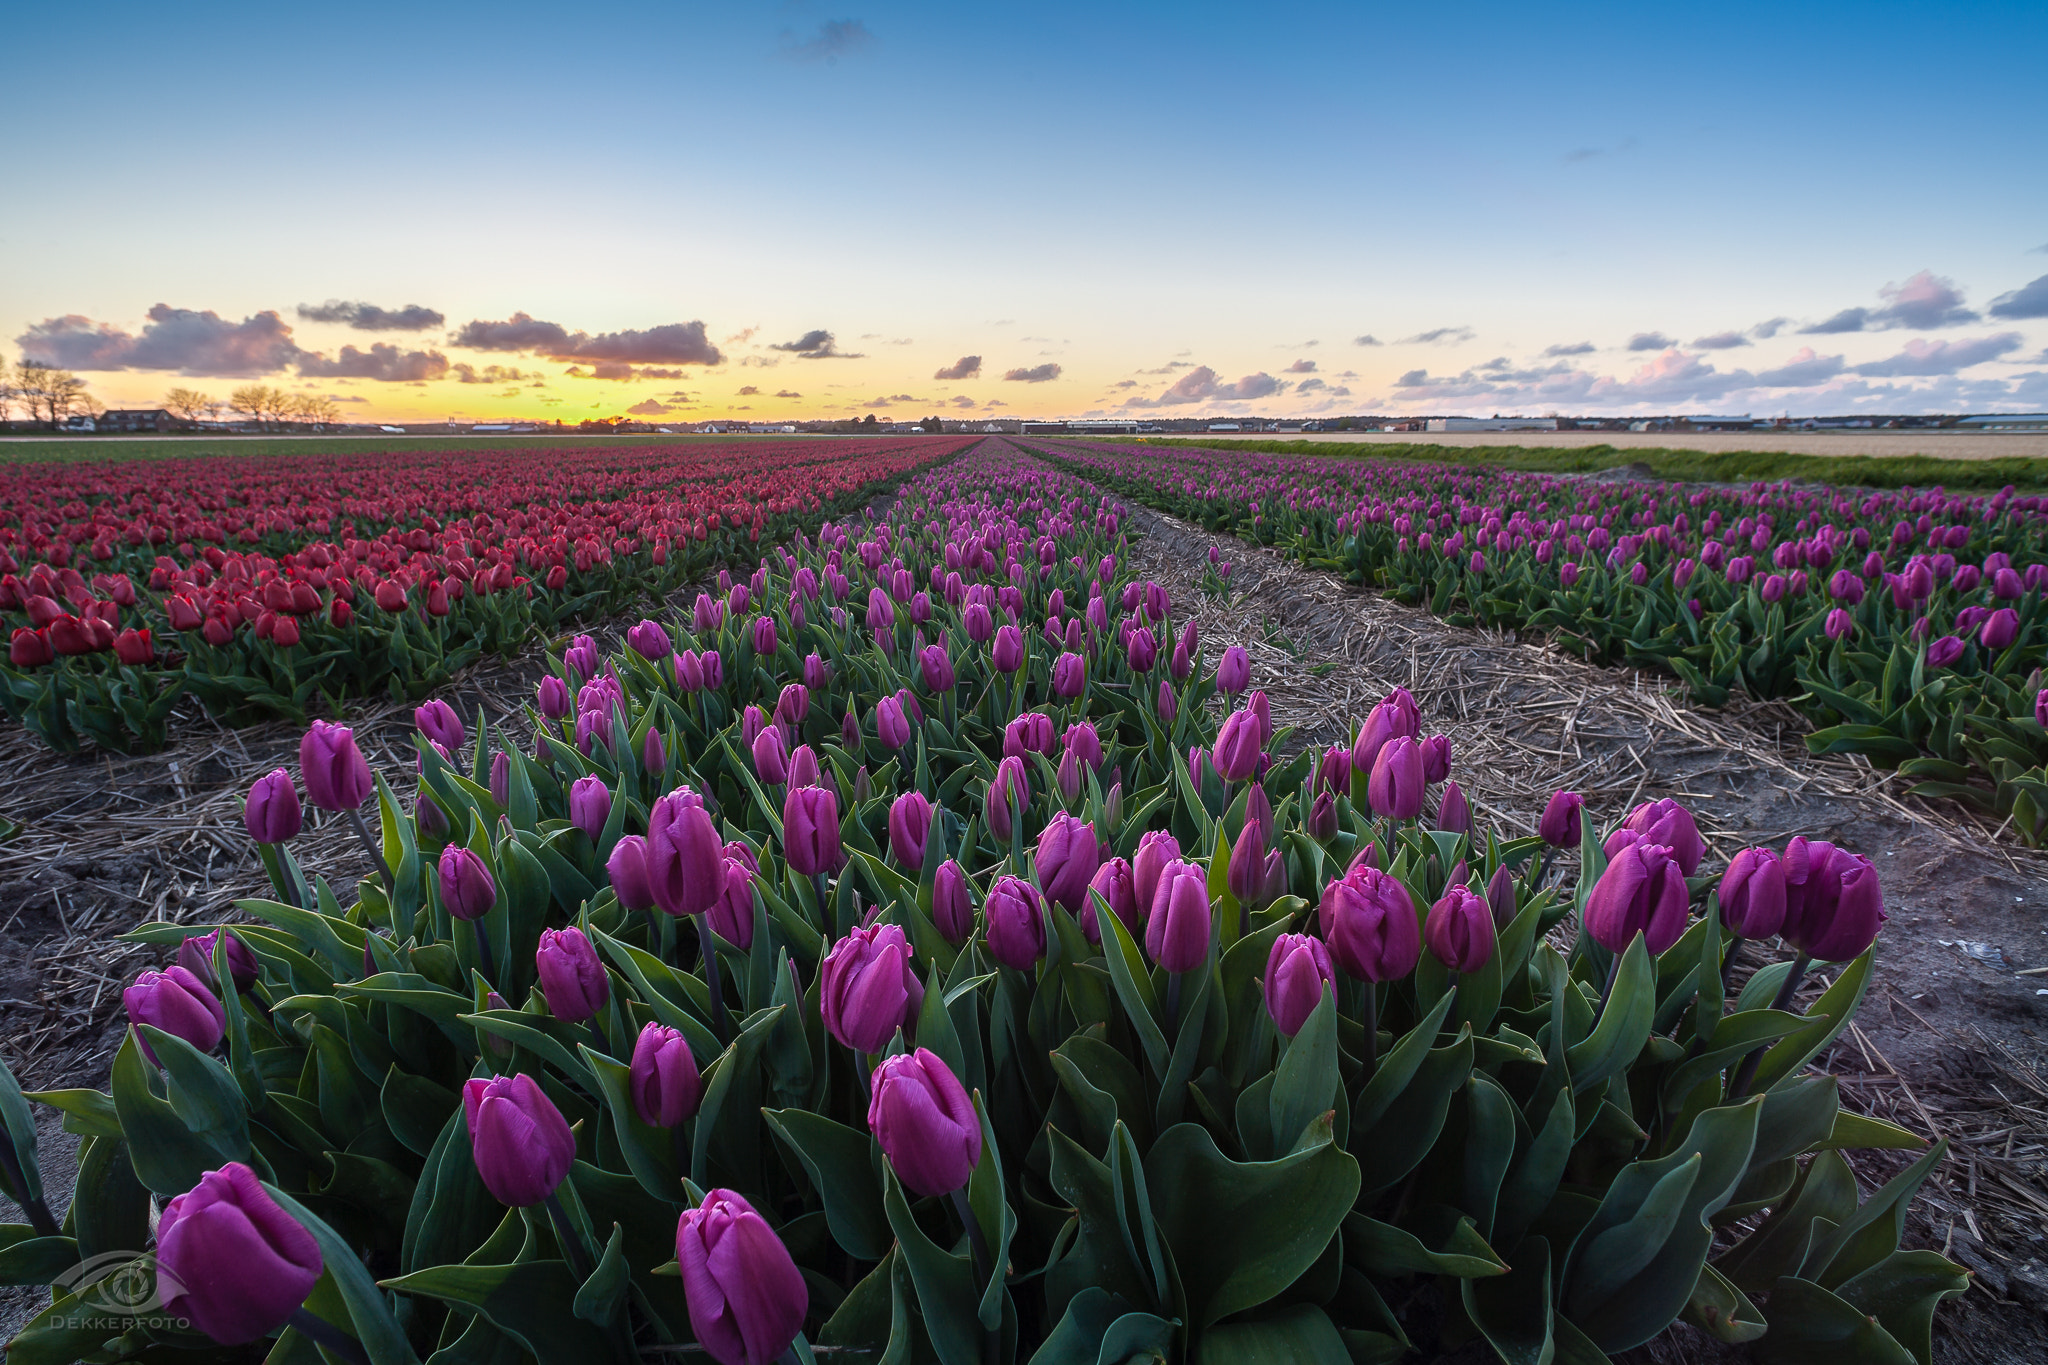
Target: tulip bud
{"x":195,"y":955}
{"x":1500,"y":897}
{"x":467,"y":891}
{"x":648,"y":640}
{"x":1234,"y":672}
{"x":1436,"y":760}
{"x":925,"y":1123}
{"x":1298,"y":971}
{"x":1453,"y":815}
{"x":590,"y":804}
{"x":910,"y":820}
{"x":866,"y":988}
{"x":521,"y":1143}
{"x":952,"y":903}
{"x":746,"y":1297}
{"x":2000,"y":629}
{"x":1065,"y":861}
{"x":1156,"y":849}
{"x":1238,"y":747}
{"x":271,"y":814}
{"x":1015,"y":917}
{"x":771,"y":756}
{"x":572,"y":980}
{"x":1834,"y":906}
{"x":1322,"y":818}
{"x":1459,"y":930}
{"x":437,"y":721}
{"x":336,"y":775}
{"x":1369,"y":921}
{"x":1113,"y":880}
{"x":1168,"y":705}
{"x":664,"y":1081}
{"x":1179,"y":922}
{"x":1752,"y":894}
{"x":501,"y":779}
{"x":1670,"y":824}
{"x":554,"y":697}
{"x":653,"y":753}
{"x":178,"y":1002}
{"x":1396,"y":787}
{"x":891,"y":726}
{"x":1642,"y":891}
{"x":230,"y":1261}
{"x":1559,"y":826}
{"x":1069,"y":676}
{"x":1246,"y":873}
{"x":627,"y":868}
{"x":1008,"y":652}
{"x":803,"y":767}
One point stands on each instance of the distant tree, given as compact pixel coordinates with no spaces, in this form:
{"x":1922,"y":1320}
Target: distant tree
{"x":50,"y":393}
{"x":187,"y":403}
{"x":6,"y":393}
{"x":869,"y":421}
{"x":935,"y":425}
{"x":259,"y":401}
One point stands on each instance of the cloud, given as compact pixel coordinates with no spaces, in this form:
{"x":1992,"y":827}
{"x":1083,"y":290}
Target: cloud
{"x":1310,"y":385}
{"x":1803,"y":370}
{"x":1125,"y":384}
{"x":618,"y":370}
{"x":1367,"y":340}
{"x":787,"y":393}
{"x":1922,"y":303}
{"x":1764,"y":331}
{"x":182,"y":339}
{"x":761,"y":362}
{"x":961,"y":400}
{"x":742,"y":336}
{"x":1338,"y":391}
{"x":1169,"y":367}
{"x":368,"y":317}
{"x":649,"y":408}
{"x":1650,"y":341}
{"x":817,"y":344}
{"x":382,"y":361}
{"x":489,"y":374}
{"x":1942,"y":357}
{"x":966,"y":367}
{"x":1037,"y":374}
{"x":1446,"y":336}
{"x":1204,"y":385}
{"x":1570,"y":348}
{"x":1302,"y":367}
{"x":1720,"y":341}
{"x":834,"y":39}
{"x":748,"y":392}
{"x":674,"y":343}
{"x":2028,"y":301}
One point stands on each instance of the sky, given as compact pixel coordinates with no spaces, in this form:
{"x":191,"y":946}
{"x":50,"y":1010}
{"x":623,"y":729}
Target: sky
{"x":793,"y":210}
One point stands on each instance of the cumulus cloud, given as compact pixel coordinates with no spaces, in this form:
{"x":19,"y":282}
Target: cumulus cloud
{"x":1922,"y":303}
{"x":2028,"y":301}
{"x":787,"y":393}
{"x":1439,"y":336}
{"x":834,"y":39}
{"x":1720,"y":341}
{"x":966,"y":367}
{"x":489,"y":374}
{"x":742,"y":336}
{"x":1302,"y":367}
{"x":961,"y":400}
{"x":1367,"y":340}
{"x":1311,"y":385}
{"x":1570,"y":348}
{"x":748,"y":392}
{"x":1769,"y":328}
{"x":1339,"y":391}
{"x":817,"y":344}
{"x":1803,"y":370}
{"x":1204,"y":385}
{"x":1036,"y":374}
{"x":368,"y":317}
{"x":674,"y":343}
{"x":187,"y":340}
{"x":649,"y":408}
{"x":1650,"y":341}
{"x":1942,"y":357}
{"x":382,"y":361}
{"x":761,"y":362}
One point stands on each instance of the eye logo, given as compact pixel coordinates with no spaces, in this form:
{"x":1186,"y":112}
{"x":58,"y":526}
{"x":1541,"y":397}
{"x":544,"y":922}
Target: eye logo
{"x":118,"y":1282}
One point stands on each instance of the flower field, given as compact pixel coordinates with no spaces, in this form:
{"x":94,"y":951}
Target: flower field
{"x":926,"y":947}
{"x":266,"y":587}
{"x":1909,"y":625}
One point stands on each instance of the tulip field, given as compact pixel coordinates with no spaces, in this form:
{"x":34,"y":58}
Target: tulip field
{"x":266,"y":587}
{"x":924,"y":947}
{"x":1910,"y":625}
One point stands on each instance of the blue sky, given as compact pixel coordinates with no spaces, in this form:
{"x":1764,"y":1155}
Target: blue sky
{"x":1128,"y":208}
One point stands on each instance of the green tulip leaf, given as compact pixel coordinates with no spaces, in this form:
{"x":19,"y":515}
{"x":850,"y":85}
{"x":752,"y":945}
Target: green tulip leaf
{"x":839,"y":1162}
{"x":382,"y":1338}
{"x":1513,"y":1311}
{"x":1301,"y":1335}
{"x":1810,"y":1326}
{"x":524,"y":1301}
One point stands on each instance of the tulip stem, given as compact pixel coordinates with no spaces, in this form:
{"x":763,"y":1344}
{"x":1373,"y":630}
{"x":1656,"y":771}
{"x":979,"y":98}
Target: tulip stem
{"x":1740,"y":1085}
{"x":38,"y":1212}
{"x":1173,"y":1000}
{"x":825,"y":916}
{"x":984,"y":1268}
{"x":483,"y":953}
{"x":573,"y":1250}
{"x":1372,"y":1027}
{"x":1613,"y":971}
{"x":1728,"y":963}
{"x":327,"y":1336}
{"x":355,"y":817}
{"x":711,"y":979}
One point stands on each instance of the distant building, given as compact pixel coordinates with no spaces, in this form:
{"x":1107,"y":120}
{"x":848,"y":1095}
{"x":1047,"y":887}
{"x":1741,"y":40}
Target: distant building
{"x":1225,"y":426}
{"x":138,"y":419}
{"x":79,"y":421}
{"x":2005,"y":421}
{"x":1491,"y":424}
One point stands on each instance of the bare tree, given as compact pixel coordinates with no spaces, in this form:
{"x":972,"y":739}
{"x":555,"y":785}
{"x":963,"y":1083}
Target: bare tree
{"x":188,"y":403}
{"x":7,"y":392}
{"x":256,"y":400}
{"x":50,"y":393}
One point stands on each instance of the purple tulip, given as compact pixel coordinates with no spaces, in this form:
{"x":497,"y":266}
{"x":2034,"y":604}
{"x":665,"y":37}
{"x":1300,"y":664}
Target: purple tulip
{"x":910,"y":820}
{"x":891,"y":728}
{"x":1234,"y":671}
{"x":467,"y":891}
{"x":1670,"y":824}
{"x":753,"y":721}
{"x":1559,"y":826}
{"x":664,"y":1081}
{"x":1459,"y":930}
{"x":2006,"y":585}
{"x":1752,"y":893}
{"x":1436,"y":758}
{"x":1840,"y":625}
{"x":590,"y":804}
{"x":195,"y":955}
{"x":2000,"y":629}
{"x":572,"y":980}
{"x":336,"y":775}
{"x":1008,"y":796}
{"x":1084,"y":742}
{"x":926,"y":1125}
{"x":1008,"y":652}
{"x":771,"y":756}
{"x":176,"y":1001}
{"x":731,"y":916}
{"x":230,"y":1260}
{"x":978,"y":622}
{"x":1179,"y":922}
{"x":521,"y":1142}
{"x":1298,"y":971}
{"x":1065,"y":860}
{"x":1396,"y":787}
{"x":1031,"y":732}
{"x":554,"y":697}
{"x":1322,"y":818}
{"x":501,"y":779}
{"x":1944,"y":652}
{"x":689,"y":671}
{"x":271,"y":814}
{"x":952,"y":903}
{"x":1114,"y":881}
{"x":1238,"y":747}
{"x":1834,"y":906}
{"x":1500,"y":897}
{"x":1141,"y":651}
{"x":1453,"y":814}
{"x":1016,"y":923}
{"x":1156,"y":850}
{"x":648,"y":640}
{"x":866,"y":988}
{"x":437,"y":721}
{"x":746,"y":1297}
{"x":2041,"y":708}
{"x":1246,"y":874}
{"x":1069,"y":676}
{"x":713,"y":664}
{"x":683,"y":854}
{"x":810,"y":831}
{"x":936,"y":668}
{"x":1642,"y":891}
{"x":764,"y":635}
{"x":627,"y":868}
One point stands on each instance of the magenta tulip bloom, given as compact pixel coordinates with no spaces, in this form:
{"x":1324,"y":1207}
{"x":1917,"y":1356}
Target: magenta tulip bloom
{"x":553,"y":697}
{"x":1180,"y":922}
{"x":936,"y":668}
{"x":1008,"y":797}
{"x":1297,"y":972}
{"x":792,"y":704}
{"x":1167,"y":704}
{"x":891,"y":727}
{"x":683,"y":854}
{"x":1113,"y":880}
{"x":195,"y":955}
{"x":1840,"y":625}
{"x":1459,"y":930}
{"x":1453,"y":814}
{"x":1834,"y":906}
{"x":336,"y":774}
{"x":1031,"y":732}
{"x":810,"y":831}
{"x":1559,"y":826}
{"x":1752,"y":893}
{"x":910,"y":821}
{"x":1238,"y":747}
{"x":1436,"y":758}
{"x":1370,"y":924}
{"x":177,"y":1001}
{"x":1156,"y":849}
{"x":1944,"y":652}
{"x":627,"y":868}
{"x":467,"y":891}
{"x":572,"y":980}
{"x":866,"y":988}
{"x":521,"y":1142}
{"x":952,"y":903}
{"x":731,"y":916}
{"x":648,"y":640}
{"x":232,"y":1261}
{"x":1670,"y":824}
{"x":1008,"y":652}
{"x":926,"y":1125}
{"x":272,"y":814}
{"x":1642,"y":891}
{"x":1069,"y":676}
{"x":501,"y":779}
{"x":664,"y":1081}
{"x":437,"y":721}
{"x":771,"y":756}
{"x":1234,"y":671}
{"x":746,"y":1297}
{"x":1015,"y":916}
{"x":1396,"y":787}
{"x":1065,"y":861}
{"x":590,"y":804}
{"x":2000,"y":629}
